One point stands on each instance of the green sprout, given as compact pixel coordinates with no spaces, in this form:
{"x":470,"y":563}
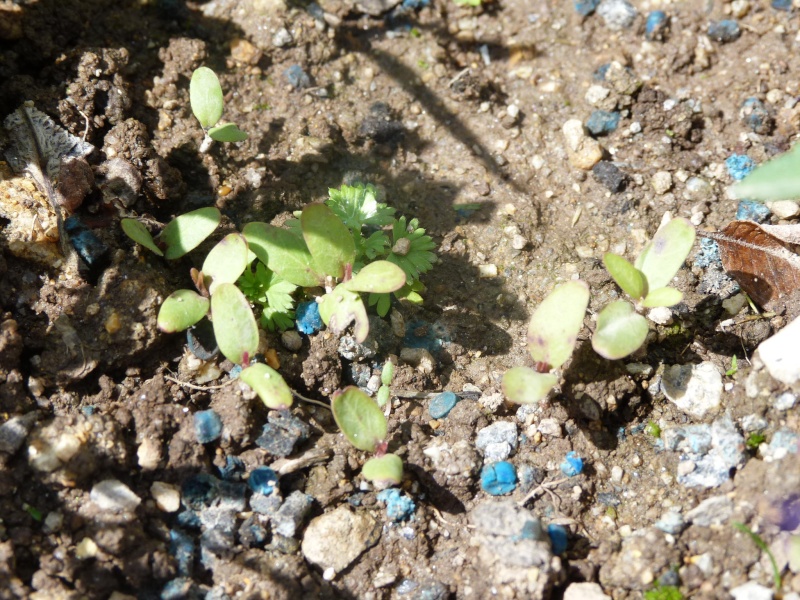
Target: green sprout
{"x":363,"y":424}
{"x":754,"y":440}
{"x":663,"y":592}
{"x":777,"y":179}
{"x":734,"y":367}
{"x":761,"y":544}
{"x":552,"y":335}
{"x":621,"y":330}
{"x":181,"y":235}
{"x":387,"y":374}
{"x":654,"y":429}
{"x":468,"y":2}
{"x":205,"y":96}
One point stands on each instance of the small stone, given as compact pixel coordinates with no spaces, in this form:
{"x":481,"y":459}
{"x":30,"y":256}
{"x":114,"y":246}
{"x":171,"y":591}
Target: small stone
{"x":698,"y":188}
{"x":596,"y":94}
{"x":262,"y":480}
{"x":149,"y":454}
{"x":779,"y":353}
{"x":617,"y":14}
{"x":584,"y":151}
{"x":497,"y":433}
{"x":734,"y":305}
{"x":715,"y":510}
{"x":783,"y":443}
{"x":656,"y":26}
{"x":112,"y":494}
{"x":603,"y":122}
{"x":784,"y":209}
{"x":608,"y":174}
{"x":291,"y":340}
{"x":86,"y":548}
{"x":290,"y":516}
{"x":616,"y":474}
{"x":751,"y":210}
{"x":53,"y":522}
{"x":442,"y":404}
{"x":282,"y":433}
{"x":14,"y":431}
{"x":755,"y":115}
{"x":487,"y":271}
{"x":661,"y":315}
{"x":695,"y":389}
{"x":585,"y":591}
{"x":661,"y":182}
{"x":671,"y":522}
{"x":751,"y":591}
{"x":511,"y":534}
{"x":297,"y":78}
{"x":550,"y":427}
{"x":265,"y":505}
{"x":785,"y":401}
{"x":166,"y":495}
{"x":244,"y":52}
{"x":335,"y":539}
{"x":785,"y":5}
{"x":419,"y":358}
{"x":207,"y":426}
{"x":282,"y":38}
{"x":724,"y":31}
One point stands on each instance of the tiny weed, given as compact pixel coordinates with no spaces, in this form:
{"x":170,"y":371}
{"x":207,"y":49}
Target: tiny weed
{"x":761,"y":544}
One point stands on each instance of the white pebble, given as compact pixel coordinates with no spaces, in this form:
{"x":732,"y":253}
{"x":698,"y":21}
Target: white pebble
{"x":616,"y":474}
{"x":166,"y":495}
{"x":112,"y":494}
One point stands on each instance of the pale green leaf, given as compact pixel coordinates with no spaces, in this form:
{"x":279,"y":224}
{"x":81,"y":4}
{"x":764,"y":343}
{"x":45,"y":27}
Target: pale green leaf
{"x":226,"y":261}
{"x":665,"y":296}
{"x":205,"y":97}
{"x":629,"y":278}
{"x":341,"y":307}
{"x":283,"y":252}
{"x":523,"y":385}
{"x":359,"y":417}
{"x":778,"y":179}
{"x":620,"y":331}
{"x":139,"y":234}
{"x":379,"y":277}
{"x":268,"y":384}
{"x":553,"y":329}
{"x":180,"y":310}
{"x":234,"y":324}
{"x":184,"y":233}
{"x":227,"y":133}
{"x":664,"y":254}
{"x":328,"y":239}
{"x":384,"y":471}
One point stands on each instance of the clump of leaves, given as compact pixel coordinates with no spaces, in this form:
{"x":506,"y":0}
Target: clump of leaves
{"x":621,"y":329}
{"x":205,"y":97}
{"x":552,"y":334}
{"x":364,"y":425}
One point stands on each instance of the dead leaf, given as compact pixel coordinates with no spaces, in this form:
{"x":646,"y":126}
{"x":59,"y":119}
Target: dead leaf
{"x":766,"y":267}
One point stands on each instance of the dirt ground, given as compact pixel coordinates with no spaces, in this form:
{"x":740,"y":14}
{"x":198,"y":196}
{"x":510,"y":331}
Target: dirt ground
{"x":456,"y":114}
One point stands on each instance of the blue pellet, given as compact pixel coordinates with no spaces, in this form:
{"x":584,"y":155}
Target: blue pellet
{"x":586,"y":7}
{"x":416,"y":4}
{"x":181,"y":588}
{"x":751,"y":210}
{"x":262,"y":480}
{"x":308,"y":319}
{"x":558,"y":538}
{"x":181,"y":547}
{"x":207,"y":426}
{"x":602,"y":122}
{"x":297,"y":78}
{"x":755,"y":116}
{"x":739,"y":166}
{"x":656,"y":25}
{"x":189,"y":519}
{"x":88,"y":246}
{"x":442,"y":404}
{"x":572,"y":465}
{"x":233,"y":469}
{"x":601,"y":71}
{"x":708,"y":253}
{"x":724,"y":31}
{"x":398,"y":506}
{"x":782,"y":5}
{"x":498,"y":478}
{"x":88,"y":410}
{"x":199,"y":491}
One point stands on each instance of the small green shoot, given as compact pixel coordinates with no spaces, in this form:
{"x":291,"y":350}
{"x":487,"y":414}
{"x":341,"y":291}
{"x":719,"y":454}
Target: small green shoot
{"x":384,"y":471}
{"x":552,"y":335}
{"x":778,"y":179}
{"x":653,"y":429}
{"x":205,"y":97}
{"x":663,"y":592}
{"x":761,"y":544}
{"x":754,"y":440}
{"x":360,"y":418}
{"x":468,"y":2}
{"x":620,"y":331}
{"x":268,"y":384}
{"x":234,"y":324}
{"x":734,"y":367}
{"x":387,"y":375}
{"x":274,"y":295}
{"x":181,"y":235}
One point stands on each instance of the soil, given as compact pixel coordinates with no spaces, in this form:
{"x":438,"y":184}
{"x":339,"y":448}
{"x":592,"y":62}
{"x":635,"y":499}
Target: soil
{"x":456,"y":114}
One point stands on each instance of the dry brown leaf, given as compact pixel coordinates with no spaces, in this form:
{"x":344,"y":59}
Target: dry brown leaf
{"x":765,"y":266}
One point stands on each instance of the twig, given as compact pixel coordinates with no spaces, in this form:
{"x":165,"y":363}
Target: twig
{"x":542,"y":488}
{"x":200,"y":388}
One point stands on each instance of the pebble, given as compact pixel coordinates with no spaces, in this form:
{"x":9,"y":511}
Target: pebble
{"x":695,"y":389}
{"x":550,"y":427}
{"x":724,"y":31}
{"x":290,"y":516}
{"x":282,"y":38}
{"x":112,"y":494}
{"x":751,"y":591}
{"x":779,"y":353}
{"x":14,"y":431}
{"x":308,"y":320}
{"x":166,"y":495}
{"x":751,"y":210}
{"x":784,"y":209}
{"x":756,"y":117}
{"x":262,"y":480}
{"x":661,"y":182}
{"x":510,"y":533}
{"x":498,"y":478}
{"x":418,"y":358}
{"x":442,"y":404}
{"x":608,"y":174}
{"x":616,"y":474}
{"x":281,"y":435}
{"x":498,"y":439}
{"x":661,"y":315}
{"x":399,"y":507}
{"x":739,"y":166}
{"x":754,"y":423}
{"x":53,"y":522}
{"x":596,"y":94}
{"x":207,"y":426}
{"x":656,"y":26}
{"x":603,"y":122}
{"x":296,"y":77}
{"x":291,"y":340}
{"x":558,"y":538}
{"x":586,"y":7}
{"x":715,"y":510}
{"x":265,"y":505}
{"x":584,"y":151}
{"x":783,"y":442}
{"x":86,"y":548}
{"x":572,"y":465}
{"x":785,"y":401}
{"x":671,"y":522}
{"x":244,"y":52}
{"x":585,"y":591}
{"x":335,"y":539}
{"x":617,"y":14}
{"x":782,"y":5}
{"x":698,"y":188}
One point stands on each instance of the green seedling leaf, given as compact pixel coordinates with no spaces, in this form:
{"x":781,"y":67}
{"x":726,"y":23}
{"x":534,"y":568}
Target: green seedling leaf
{"x":184,"y":233}
{"x":385,"y":471}
{"x":139,"y":234}
{"x":665,"y":296}
{"x":268,"y":384}
{"x":180,"y":310}
{"x":382,"y":397}
{"x":342,"y":307}
{"x":387,"y":373}
{"x":328,"y":240}
{"x":205,"y":96}
{"x":629,"y":278}
{"x":778,"y":179}
{"x":665,"y":253}
{"x":234,"y":324}
{"x":226,"y":261}
{"x":283,"y":252}
{"x":227,"y":133}
{"x":359,"y":417}
{"x":358,"y":205}
{"x":620,"y":331}
{"x":762,"y":545}
{"x":380,"y":277}
{"x":554,"y":326}
{"x":523,"y":385}
{"x":411,"y":249}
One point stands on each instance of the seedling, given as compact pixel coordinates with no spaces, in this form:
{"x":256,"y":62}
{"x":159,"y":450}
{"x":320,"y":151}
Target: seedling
{"x":205,"y":96}
{"x":664,"y":592}
{"x":761,"y":544}
{"x":552,"y":334}
{"x":387,"y":374}
{"x":181,"y":235}
{"x":621,"y":330}
{"x":363,"y":424}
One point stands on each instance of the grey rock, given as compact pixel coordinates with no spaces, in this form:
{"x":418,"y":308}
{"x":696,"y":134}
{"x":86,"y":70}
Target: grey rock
{"x":695,"y":389}
{"x":375,"y":8}
{"x":292,"y":513}
{"x":112,"y":494}
{"x":643,"y":555}
{"x":785,"y":401}
{"x":14,"y":431}
{"x":265,"y":505}
{"x":783,"y":442}
{"x":711,"y":511}
{"x":497,"y":433}
{"x":617,"y":14}
{"x":671,"y":522}
{"x":512,"y":533}
{"x":751,"y":591}
{"x":585,"y":591}
{"x":334,"y":540}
